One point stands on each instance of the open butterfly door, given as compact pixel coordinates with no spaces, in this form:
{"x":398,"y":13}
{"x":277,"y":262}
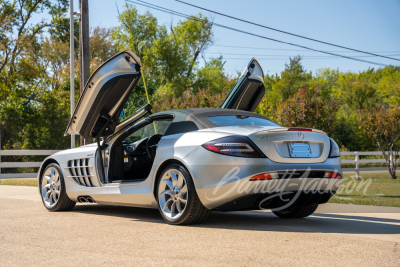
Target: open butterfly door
{"x":106,"y":92}
{"x":248,"y":91}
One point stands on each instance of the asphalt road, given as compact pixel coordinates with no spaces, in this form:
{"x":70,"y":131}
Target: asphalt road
{"x":104,"y":235}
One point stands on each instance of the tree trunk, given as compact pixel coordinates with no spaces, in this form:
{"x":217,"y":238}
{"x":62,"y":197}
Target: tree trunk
{"x":391,"y":159}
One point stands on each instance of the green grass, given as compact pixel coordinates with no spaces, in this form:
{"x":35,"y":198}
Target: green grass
{"x":376,"y":189}
{"x":21,"y":182}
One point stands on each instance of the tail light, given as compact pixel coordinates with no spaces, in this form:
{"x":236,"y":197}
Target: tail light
{"x":265,"y":176}
{"x":238,"y":146}
{"x":300,"y":129}
{"x":288,"y":175}
{"x":334,"y":153}
{"x":334,"y":175}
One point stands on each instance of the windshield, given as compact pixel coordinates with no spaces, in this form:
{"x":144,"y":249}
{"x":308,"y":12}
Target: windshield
{"x":240,"y":121}
{"x":156,"y":127}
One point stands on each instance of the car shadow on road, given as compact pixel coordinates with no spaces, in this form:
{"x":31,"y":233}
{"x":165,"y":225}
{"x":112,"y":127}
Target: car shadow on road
{"x":261,"y":221}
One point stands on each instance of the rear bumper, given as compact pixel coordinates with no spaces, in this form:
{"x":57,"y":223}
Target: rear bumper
{"x":221,"y":179}
{"x":275,"y":201}
{"x":268,"y":194}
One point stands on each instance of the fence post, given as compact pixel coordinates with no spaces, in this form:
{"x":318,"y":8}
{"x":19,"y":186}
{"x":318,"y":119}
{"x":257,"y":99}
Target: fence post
{"x":357,"y":167}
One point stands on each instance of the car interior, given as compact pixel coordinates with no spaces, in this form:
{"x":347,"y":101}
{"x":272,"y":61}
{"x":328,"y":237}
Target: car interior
{"x":132,"y":155}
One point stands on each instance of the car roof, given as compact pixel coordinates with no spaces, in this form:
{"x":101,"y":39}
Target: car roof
{"x":186,"y":120}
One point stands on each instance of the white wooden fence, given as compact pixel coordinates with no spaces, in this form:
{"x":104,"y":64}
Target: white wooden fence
{"x":356,"y":161}
{"x":22,"y":164}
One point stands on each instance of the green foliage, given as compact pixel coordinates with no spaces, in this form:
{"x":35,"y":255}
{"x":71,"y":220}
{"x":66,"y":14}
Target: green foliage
{"x":137,"y":32}
{"x":35,"y":85}
{"x":211,"y":77}
{"x":169,"y":58}
{"x":332,"y":102}
{"x":280,"y":88}
{"x":204,"y":98}
{"x":23,"y":73}
{"x":383,"y":126}
{"x":308,"y":108}
{"x":34,"y":68}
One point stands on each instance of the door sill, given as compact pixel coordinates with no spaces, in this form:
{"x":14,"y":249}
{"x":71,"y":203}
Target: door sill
{"x":127,"y":181}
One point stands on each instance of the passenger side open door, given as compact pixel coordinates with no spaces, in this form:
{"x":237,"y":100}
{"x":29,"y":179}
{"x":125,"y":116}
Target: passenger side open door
{"x":248,"y":91}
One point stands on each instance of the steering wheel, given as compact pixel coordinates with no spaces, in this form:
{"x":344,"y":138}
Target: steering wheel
{"x":151,"y":145}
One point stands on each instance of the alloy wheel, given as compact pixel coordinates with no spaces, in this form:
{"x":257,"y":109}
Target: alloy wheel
{"x":172,"y":194}
{"x":51,"y":187}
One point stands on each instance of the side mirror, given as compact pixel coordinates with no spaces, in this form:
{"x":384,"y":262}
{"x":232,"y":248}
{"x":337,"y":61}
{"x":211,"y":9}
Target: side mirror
{"x":122,"y":114}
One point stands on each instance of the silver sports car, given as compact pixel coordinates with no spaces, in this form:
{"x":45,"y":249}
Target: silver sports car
{"x":188,"y":162}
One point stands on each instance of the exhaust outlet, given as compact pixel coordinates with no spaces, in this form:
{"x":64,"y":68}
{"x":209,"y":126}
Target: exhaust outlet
{"x":82,"y":199}
{"x":86,"y":199}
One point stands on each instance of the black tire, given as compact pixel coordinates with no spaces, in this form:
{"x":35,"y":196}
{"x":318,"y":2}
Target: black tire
{"x":299,"y":212}
{"x":194,"y":211}
{"x":64,"y":203}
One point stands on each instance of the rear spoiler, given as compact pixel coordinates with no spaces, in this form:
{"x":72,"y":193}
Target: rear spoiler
{"x":285,"y":129}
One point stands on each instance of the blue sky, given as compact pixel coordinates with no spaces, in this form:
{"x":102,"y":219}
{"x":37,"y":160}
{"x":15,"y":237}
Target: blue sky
{"x":366,"y":25}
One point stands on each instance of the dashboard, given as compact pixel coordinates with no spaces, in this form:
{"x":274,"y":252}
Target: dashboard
{"x":137,"y":148}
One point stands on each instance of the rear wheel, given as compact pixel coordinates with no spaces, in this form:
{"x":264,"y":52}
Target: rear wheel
{"x":52,"y":185}
{"x":299,"y":212}
{"x":177,"y":198}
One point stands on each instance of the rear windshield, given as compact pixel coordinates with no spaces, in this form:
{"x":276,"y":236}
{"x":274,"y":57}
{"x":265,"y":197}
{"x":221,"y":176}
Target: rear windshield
{"x":240,"y":121}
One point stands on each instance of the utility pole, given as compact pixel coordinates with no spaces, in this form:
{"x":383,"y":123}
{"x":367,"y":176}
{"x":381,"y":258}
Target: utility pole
{"x":72,"y":63}
{"x":84,"y":62}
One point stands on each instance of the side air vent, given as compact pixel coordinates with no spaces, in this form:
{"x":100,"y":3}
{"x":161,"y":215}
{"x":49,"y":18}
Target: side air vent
{"x":80,"y":171}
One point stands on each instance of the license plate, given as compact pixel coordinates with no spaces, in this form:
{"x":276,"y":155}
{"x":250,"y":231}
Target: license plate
{"x":300,"y":150}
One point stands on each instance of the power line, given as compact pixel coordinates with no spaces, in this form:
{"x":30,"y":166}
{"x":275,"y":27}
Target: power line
{"x":262,"y":58}
{"x":300,"y":36}
{"x":165,"y":10}
{"x":315,"y":57}
{"x":267,"y":70}
{"x":267,"y":48}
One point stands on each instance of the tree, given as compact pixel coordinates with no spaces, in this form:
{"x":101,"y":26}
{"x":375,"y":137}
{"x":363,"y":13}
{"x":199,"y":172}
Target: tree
{"x":201,"y":99}
{"x":359,"y":94}
{"x":308,"y":109}
{"x":34,"y":80}
{"x":383,"y":126}
{"x":169,"y":57}
{"x":198,"y":34}
{"x":137,"y":32}
{"x":21,"y":79}
{"x":292,"y":78}
{"x":281,"y":87}
{"x":211,"y":77}
{"x":101,"y":46}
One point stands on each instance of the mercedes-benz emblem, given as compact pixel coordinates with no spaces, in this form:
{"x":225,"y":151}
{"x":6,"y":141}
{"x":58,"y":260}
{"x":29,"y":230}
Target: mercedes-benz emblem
{"x":301,"y":135}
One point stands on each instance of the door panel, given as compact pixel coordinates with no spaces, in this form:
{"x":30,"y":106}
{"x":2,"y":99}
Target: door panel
{"x":248,"y":91}
{"x":105,"y":94}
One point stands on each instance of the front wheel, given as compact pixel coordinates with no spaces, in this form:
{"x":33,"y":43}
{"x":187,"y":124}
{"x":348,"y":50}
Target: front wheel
{"x":299,"y":212}
{"x":177,"y":198}
{"x":53,"y":191}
